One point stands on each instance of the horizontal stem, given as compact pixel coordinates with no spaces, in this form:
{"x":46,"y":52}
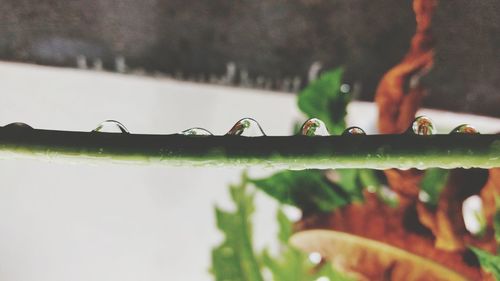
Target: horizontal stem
{"x":289,"y":152}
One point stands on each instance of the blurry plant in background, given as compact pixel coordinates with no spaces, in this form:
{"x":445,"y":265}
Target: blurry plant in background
{"x":360,"y":202}
{"x":390,"y":225}
{"x":309,"y":190}
{"x":236,"y":259}
{"x":312,"y":191}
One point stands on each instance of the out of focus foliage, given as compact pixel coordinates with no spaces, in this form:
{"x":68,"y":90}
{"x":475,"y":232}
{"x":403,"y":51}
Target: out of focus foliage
{"x":489,"y":262}
{"x":308,"y":190}
{"x":312,"y":190}
{"x":235,"y":259}
{"x":324,"y":100}
{"x":432,"y":184}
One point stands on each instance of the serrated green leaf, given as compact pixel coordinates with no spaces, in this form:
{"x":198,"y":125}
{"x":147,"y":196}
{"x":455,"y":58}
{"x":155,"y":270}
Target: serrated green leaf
{"x":234,"y":259}
{"x":489,"y":262}
{"x":323,"y":99}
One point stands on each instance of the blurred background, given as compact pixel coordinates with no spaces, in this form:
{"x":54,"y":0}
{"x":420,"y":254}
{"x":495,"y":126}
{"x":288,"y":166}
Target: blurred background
{"x":162,"y":66}
{"x":263,"y":44}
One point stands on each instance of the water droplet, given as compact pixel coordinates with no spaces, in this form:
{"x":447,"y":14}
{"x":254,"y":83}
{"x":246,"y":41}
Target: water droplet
{"x":473,"y":214}
{"x":464,"y":129}
{"x":111,"y":126}
{"x":314,"y":127}
{"x":354,"y":131}
{"x":294,"y":214}
{"x":423,"y":196}
{"x":371,"y":188}
{"x":196,"y":132}
{"x":18,"y":126}
{"x":315,"y":257}
{"x":423,"y":126}
{"x":345,"y":88}
{"x":247,"y":127}
{"x":388,"y":195}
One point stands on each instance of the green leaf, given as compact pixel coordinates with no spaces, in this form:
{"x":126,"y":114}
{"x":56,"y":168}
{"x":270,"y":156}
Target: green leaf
{"x":234,"y":259}
{"x":489,"y":262}
{"x":323,"y":99}
{"x":370,"y":180}
{"x":285,"y":230}
{"x":349,"y":180}
{"x":292,"y":264}
{"x":308,"y":190}
{"x":433,"y":184}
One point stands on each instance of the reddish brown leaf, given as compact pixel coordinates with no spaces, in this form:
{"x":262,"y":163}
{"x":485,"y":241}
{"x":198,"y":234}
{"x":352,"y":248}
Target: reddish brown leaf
{"x":399,"y":93}
{"x":489,"y":193}
{"x":446,"y":221}
{"x":438,"y":235}
{"x":398,"y":227}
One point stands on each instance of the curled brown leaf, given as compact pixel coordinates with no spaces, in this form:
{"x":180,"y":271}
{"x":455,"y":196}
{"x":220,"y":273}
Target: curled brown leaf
{"x":439,"y":234}
{"x":397,"y":227}
{"x":399,"y":94}
{"x":446,"y":221}
{"x":489,"y":193}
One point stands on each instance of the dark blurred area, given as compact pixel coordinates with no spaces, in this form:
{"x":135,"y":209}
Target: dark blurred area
{"x":266,"y":43}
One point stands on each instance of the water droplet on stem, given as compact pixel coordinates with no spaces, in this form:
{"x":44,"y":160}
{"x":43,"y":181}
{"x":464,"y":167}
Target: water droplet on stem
{"x":354,"y":131}
{"x":246,"y":127}
{"x":423,"y":126}
{"x":464,"y":129}
{"x":196,"y":132}
{"x":18,"y":126}
{"x":111,"y":126}
{"x":314,"y":127}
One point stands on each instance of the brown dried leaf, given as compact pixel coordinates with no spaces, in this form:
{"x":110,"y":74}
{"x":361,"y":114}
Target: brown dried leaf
{"x":489,"y":192}
{"x":399,"y":94}
{"x":437,"y":236}
{"x":405,"y":183}
{"x":446,"y":221}
{"x":363,"y":258}
{"x":397,"y":227}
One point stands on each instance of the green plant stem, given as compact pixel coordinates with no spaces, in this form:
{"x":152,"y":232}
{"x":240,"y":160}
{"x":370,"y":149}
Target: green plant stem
{"x":289,"y":152}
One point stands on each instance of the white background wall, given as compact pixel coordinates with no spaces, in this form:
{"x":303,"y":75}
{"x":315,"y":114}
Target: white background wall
{"x":119,"y":222}
{"x":122,"y":222}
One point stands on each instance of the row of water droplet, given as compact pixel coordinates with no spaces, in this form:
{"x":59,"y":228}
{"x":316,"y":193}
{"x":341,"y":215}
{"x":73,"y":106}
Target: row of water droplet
{"x":248,"y":127}
{"x":422,"y":125}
